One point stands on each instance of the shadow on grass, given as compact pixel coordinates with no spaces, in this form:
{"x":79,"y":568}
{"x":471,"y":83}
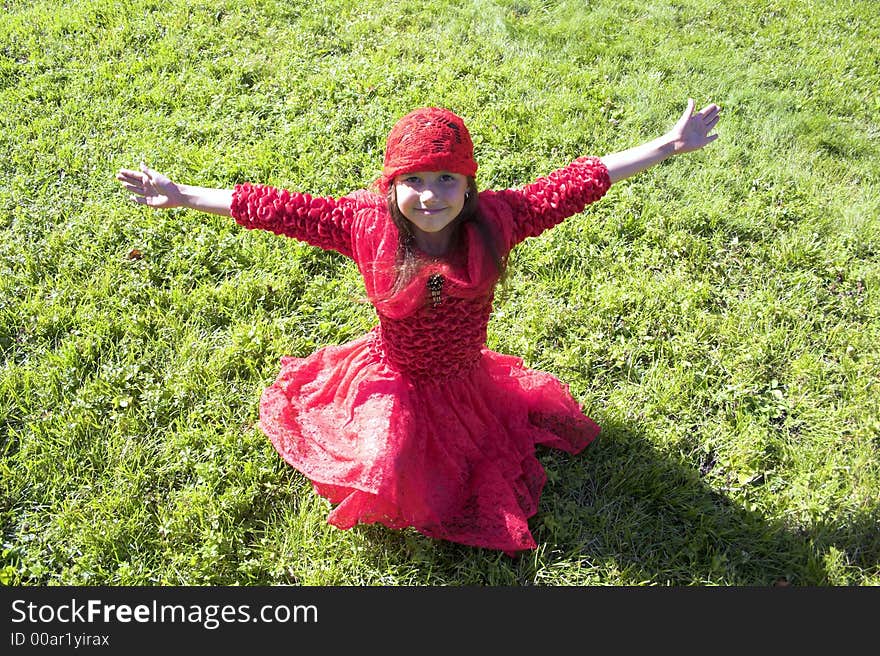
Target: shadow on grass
{"x":624,"y":512}
{"x":626,"y":507}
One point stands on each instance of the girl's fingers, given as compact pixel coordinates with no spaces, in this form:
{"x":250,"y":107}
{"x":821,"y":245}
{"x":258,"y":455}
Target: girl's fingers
{"x":140,"y":184}
{"x":134,"y":181}
{"x":134,"y":188}
{"x":689,"y":110}
{"x":129,"y":178}
{"x":150,"y":174}
{"x":147,"y":174}
{"x":126,"y":175}
{"x":710,"y":112}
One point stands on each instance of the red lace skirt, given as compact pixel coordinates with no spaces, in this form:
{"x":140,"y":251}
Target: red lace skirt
{"x":452,"y":457}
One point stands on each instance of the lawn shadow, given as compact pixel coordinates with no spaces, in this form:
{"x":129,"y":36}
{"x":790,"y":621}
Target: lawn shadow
{"x":623,"y":511}
{"x":625,"y":507}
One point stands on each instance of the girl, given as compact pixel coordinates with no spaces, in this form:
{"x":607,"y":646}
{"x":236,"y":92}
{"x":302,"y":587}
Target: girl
{"x":417,"y":423}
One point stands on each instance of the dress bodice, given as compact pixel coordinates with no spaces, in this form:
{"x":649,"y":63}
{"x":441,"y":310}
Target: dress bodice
{"x":435,"y":342}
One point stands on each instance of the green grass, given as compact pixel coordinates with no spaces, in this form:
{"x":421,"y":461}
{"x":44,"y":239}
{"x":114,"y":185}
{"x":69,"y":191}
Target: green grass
{"x":718,"y":315}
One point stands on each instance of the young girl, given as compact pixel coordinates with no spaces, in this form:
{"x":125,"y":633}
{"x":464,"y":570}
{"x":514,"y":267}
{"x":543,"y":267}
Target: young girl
{"x":417,"y":423}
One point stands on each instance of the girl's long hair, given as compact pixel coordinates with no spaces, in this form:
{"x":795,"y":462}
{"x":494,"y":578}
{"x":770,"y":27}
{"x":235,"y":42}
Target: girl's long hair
{"x":408,"y":264}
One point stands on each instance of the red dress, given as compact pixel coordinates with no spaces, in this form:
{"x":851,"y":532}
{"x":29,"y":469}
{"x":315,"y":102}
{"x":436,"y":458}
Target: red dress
{"x":417,"y":423}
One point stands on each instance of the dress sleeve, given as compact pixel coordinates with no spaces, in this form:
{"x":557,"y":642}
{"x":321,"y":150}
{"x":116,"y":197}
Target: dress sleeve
{"x":321,"y":221}
{"x":550,"y":199}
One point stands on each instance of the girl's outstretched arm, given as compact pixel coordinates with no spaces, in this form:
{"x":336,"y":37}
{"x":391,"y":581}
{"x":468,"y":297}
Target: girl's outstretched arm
{"x":690,"y":133}
{"x":324,"y":222}
{"x":154,"y":189}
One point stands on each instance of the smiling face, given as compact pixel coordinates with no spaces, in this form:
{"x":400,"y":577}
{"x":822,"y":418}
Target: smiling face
{"x":430,"y":200}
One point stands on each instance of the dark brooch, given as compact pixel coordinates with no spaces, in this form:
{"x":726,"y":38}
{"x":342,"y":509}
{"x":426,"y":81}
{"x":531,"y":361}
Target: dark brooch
{"x":435,"y":286}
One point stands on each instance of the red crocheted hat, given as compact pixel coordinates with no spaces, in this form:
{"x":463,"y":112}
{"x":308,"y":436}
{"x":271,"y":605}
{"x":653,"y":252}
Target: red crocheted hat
{"x":428,"y":139}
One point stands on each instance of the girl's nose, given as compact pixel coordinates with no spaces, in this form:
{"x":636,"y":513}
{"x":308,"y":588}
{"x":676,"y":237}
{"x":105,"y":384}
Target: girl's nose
{"x":428,"y":194}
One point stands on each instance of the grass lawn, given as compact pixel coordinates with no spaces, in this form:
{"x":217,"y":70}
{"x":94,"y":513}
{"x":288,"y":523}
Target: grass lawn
{"x":718,"y":315}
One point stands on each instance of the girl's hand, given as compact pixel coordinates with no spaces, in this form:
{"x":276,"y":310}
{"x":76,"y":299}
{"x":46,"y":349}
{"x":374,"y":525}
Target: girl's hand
{"x":692,"y":130}
{"x":151,"y":188}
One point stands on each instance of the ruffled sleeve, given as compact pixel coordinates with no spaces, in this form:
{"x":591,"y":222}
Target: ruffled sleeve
{"x":321,"y":221}
{"x":550,"y":199}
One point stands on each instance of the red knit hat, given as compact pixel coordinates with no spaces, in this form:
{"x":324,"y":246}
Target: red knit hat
{"x":428,"y":139}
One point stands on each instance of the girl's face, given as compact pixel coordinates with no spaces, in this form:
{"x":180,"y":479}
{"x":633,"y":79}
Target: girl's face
{"x":430,"y":199}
